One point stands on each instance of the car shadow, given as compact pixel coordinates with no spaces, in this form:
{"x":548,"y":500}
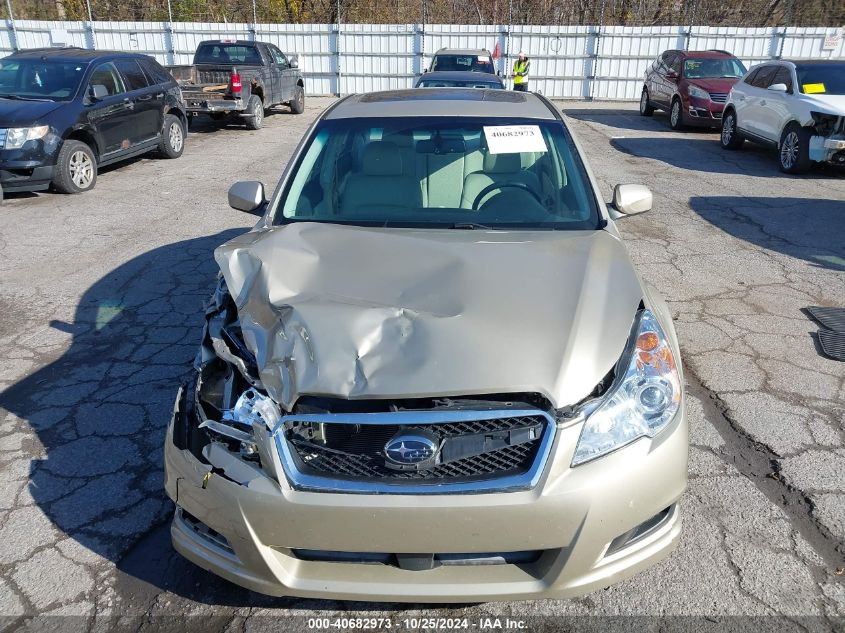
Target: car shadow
{"x":101,"y":408}
{"x":100,"y":411}
{"x":626,"y":118}
{"x":806,"y":228}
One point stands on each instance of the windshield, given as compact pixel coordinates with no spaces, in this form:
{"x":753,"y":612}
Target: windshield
{"x":462,"y":172}
{"x":227,"y":54}
{"x":472,"y":63}
{"x":41,"y":79}
{"x":713,"y":68}
{"x":821,"y":78}
{"x":442,"y":83}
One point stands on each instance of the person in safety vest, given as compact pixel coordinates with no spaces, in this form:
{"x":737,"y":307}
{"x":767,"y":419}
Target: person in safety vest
{"x":520,"y":72}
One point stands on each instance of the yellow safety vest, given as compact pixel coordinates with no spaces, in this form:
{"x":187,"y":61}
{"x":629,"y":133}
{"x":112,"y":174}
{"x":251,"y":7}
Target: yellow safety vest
{"x":518,"y":68}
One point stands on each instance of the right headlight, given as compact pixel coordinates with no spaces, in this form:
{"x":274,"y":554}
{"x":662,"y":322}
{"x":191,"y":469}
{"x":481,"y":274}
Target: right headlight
{"x":643,"y":399}
{"x":17,"y":136}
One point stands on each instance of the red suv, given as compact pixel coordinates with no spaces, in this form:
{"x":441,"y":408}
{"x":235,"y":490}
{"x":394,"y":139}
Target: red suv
{"x":691,"y":85}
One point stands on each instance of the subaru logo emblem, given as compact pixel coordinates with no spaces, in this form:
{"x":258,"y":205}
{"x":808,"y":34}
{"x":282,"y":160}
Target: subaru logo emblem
{"x":410,"y":451}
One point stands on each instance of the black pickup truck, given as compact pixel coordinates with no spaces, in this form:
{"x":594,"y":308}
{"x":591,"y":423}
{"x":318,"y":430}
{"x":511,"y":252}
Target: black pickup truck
{"x":238,"y":77}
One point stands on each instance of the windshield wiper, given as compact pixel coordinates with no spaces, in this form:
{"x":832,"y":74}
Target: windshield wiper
{"x":471,"y":226}
{"x":20,"y":98}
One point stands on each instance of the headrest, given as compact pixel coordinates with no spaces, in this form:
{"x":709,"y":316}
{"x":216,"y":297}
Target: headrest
{"x":502,"y":163}
{"x":382,"y":158}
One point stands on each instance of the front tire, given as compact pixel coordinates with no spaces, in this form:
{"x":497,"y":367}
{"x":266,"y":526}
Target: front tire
{"x":645,"y":106}
{"x":256,"y":111}
{"x":730,"y":137}
{"x":297,"y":104}
{"x":172,"y":137}
{"x":676,"y":115}
{"x":794,"y":149}
{"x":76,"y":168}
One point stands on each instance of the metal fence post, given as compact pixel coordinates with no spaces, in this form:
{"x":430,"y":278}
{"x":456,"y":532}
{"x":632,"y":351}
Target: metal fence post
{"x":14,"y":32}
{"x":595,"y":56}
{"x":507,"y":56}
{"x":90,"y":26}
{"x":338,"y":51}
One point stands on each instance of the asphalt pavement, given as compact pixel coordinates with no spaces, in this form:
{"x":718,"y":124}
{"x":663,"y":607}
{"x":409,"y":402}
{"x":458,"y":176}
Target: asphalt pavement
{"x":101,"y":301}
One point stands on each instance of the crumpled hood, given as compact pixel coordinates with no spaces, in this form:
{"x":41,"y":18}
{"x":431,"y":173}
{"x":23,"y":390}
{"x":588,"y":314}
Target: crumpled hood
{"x":829,"y":104}
{"x":387,"y":313}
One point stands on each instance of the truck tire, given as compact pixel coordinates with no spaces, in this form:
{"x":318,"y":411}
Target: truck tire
{"x":76,"y":168}
{"x":255,"y":109}
{"x":172,"y":137}
{"x":297,"y":104}
{"x":794,"y":149}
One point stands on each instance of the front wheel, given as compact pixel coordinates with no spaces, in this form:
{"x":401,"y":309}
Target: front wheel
{"x":172,"y":137}
{"x":676,"y":115}
{"x":645,"y":106}
{"x":76,"y":168}
{"x":794,"y":149}
{"x":730,"y":137}
{"x":297,"y":104}
{"x":255,"y":112}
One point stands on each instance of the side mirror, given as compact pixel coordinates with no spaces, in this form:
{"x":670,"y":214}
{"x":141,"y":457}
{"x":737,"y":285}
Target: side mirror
{"x":778,"y":88}
{"x":247,"y":195}
{"x":294,"y":62}
{"x":425,"y":70}
{"x":98,"y":92}
{"x":630,"y":200}
{"x":671,"y":75}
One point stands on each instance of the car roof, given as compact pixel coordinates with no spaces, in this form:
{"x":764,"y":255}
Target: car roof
{"x":461,"y":75}
{"x":712,"y":54}
{"x":470,"y":102}
{"x":462,"y":51}
{"x":70,"y":54}
{"x":813,"y":62}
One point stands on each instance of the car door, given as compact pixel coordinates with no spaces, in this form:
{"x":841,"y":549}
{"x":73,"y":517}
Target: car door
{"x":775,"y":106}
{"x":109,"y":115}
{"x":754,"y":101}
{"x":287,"y":75}
{"x":147,"y":99}
{"x":664,"y":94}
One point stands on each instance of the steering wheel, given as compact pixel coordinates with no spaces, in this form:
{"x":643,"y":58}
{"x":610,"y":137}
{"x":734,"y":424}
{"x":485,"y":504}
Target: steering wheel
{"x":502,"y":185}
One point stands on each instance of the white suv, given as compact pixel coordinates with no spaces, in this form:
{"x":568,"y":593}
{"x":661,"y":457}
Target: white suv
{"x":796,"y":106}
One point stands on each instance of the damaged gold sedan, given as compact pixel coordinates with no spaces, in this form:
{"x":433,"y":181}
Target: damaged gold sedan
{"x":430,"y":372}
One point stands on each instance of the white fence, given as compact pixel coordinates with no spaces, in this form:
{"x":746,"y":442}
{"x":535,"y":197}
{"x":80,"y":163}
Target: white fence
{"x":574,"y":62}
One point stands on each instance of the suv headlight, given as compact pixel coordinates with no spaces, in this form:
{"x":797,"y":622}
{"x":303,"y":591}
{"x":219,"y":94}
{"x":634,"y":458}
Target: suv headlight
{"x":700,"y":93}
{"x":17,"y":136}
{"x":643,"y":399}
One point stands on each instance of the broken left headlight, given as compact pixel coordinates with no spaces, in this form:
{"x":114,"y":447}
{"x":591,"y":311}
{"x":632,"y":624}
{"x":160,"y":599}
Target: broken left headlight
{"x":643,"y":399}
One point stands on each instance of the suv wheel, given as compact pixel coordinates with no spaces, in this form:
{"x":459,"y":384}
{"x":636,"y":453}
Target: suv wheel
{"x":76,"y":168}
{"x":676,"y":115}
{"x":297,"y":104}
{"x":256,"y":109}
{"x":730,"y":137}
{"x":645,"y":106}
{"x":172,"y":137}
{"x":794,"y":149}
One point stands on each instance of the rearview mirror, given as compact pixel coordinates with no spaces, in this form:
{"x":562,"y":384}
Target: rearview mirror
{"x":778,"y":88}
{"x":247,"y":195}
{"x":630,"y":200}
{"x":98,"y":92}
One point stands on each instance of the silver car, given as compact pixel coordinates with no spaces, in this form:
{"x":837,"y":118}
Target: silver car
{"x":431,"y":372}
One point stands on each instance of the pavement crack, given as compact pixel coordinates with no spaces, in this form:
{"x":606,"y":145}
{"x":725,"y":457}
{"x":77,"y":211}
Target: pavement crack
{"x":761,"y":465}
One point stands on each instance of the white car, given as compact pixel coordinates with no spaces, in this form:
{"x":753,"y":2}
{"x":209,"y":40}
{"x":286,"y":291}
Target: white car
{"x":796,"y":106}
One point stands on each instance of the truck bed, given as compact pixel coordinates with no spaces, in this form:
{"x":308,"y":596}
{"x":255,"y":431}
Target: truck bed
{"x":206,"y":87}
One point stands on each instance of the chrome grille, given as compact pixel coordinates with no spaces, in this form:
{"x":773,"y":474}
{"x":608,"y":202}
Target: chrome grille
{"x":349,"y":455}
{"x":718,"y":97}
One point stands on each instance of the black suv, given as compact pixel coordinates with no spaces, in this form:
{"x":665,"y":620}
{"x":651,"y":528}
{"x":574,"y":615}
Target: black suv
{"x":66,"y":112}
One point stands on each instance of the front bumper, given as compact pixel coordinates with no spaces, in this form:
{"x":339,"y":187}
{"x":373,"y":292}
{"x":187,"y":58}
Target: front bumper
{"x":570,"y":519}
{"x":703,"y":112}
{"x":828,"y":149}
{"x":31,"y":167}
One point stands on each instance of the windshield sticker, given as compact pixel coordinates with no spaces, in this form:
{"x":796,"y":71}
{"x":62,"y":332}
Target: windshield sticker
{"x":814,"y":89}
{"x":514,"y":139}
